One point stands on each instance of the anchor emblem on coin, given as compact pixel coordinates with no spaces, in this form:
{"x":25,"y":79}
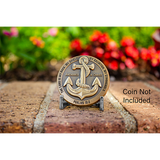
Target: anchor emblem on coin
{"x":83,"y":90}
{"x":82,"y":81}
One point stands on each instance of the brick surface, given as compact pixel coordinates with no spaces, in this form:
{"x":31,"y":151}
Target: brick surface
{"x":155,"y":83}
{"x":147,"y":114}
{"x":19,"y":105}
{"x":75,"y":119}
{"x":20,"y":102}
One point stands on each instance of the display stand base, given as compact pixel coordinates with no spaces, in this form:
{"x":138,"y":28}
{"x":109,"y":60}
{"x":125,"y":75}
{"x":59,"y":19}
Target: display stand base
{"x":63,"y":103}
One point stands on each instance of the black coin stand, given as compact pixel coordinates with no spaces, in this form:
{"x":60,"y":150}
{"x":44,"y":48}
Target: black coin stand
{"x":63,"y":103}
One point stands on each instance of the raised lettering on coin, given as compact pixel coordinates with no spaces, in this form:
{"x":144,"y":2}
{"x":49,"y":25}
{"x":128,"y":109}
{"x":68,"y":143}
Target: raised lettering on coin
{"x":83,"y":80}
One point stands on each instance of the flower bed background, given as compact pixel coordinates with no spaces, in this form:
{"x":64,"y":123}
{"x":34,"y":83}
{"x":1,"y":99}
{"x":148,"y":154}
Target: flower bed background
{"x":36,"y":53}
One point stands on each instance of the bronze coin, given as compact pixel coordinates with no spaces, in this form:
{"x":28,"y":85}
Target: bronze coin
{"x":82,"y":80}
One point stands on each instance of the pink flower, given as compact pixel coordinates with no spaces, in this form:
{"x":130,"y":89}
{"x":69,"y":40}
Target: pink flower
{"x":7,"y":33}
{"x":112,"y":45}
{"x":129,"y":63}
{"x":99,"y":52}
{"x":114,"y":54}
{"x":122,"y":66}
{"x":53,"y":31}
{"x":14,"y":32}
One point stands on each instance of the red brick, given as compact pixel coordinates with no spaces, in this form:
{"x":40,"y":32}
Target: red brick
{"x":75,"y":119}
{"x":19,"y":105}
{"x":155,"y":83}
{"x":147,"y":115}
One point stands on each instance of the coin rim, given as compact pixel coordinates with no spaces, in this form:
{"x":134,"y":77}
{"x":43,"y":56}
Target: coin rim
{"x":93,"y":100}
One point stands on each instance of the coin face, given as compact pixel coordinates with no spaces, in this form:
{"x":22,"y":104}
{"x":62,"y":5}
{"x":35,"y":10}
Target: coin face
{"x":82,"y":80}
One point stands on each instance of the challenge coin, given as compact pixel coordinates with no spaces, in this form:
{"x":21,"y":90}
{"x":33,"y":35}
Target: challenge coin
{"x":82,"y":80}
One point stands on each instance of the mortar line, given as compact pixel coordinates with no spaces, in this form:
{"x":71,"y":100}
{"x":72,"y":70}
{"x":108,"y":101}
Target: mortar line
{"x":130,"y":122}
{"x":3,"y":85}
{"x":40,"y":118}
{"x":151,"y":86}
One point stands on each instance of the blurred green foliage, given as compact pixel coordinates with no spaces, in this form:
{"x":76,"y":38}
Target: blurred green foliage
{"x":21,"y":52}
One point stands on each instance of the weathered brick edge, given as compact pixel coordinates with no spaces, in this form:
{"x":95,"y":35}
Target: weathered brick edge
{"x":130,"y":122}
{"x":39,"y":121}
{"x":151,"y":86}
{"x":155,"y":83}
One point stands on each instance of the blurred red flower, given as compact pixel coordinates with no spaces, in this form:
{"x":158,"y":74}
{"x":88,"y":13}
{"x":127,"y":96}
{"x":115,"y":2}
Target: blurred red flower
{"x":127,"y":41}
{"x":156,"y":55}
{"x":158,"y":52}
{"x":145,"y":54}
{"x":99,"y":52}
{"x":113,"y":65}
{"x":99,"y":36}
{"x":84,"y":54}
{"x":154,"y":62}
{"x":122,"y":66}
{"x":95,"y":36}
{"x":76,"y":45}
{"x":112,"y":45}
{"x":107,"y":50}
{"x":114,"y":54}
{"x":107,"y":55}
{"x":152,"y":49}
{"x":129,"y":63}
{"x":132,"y":52}
{"x":103,"y":38}
{"x":122,"y":56}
